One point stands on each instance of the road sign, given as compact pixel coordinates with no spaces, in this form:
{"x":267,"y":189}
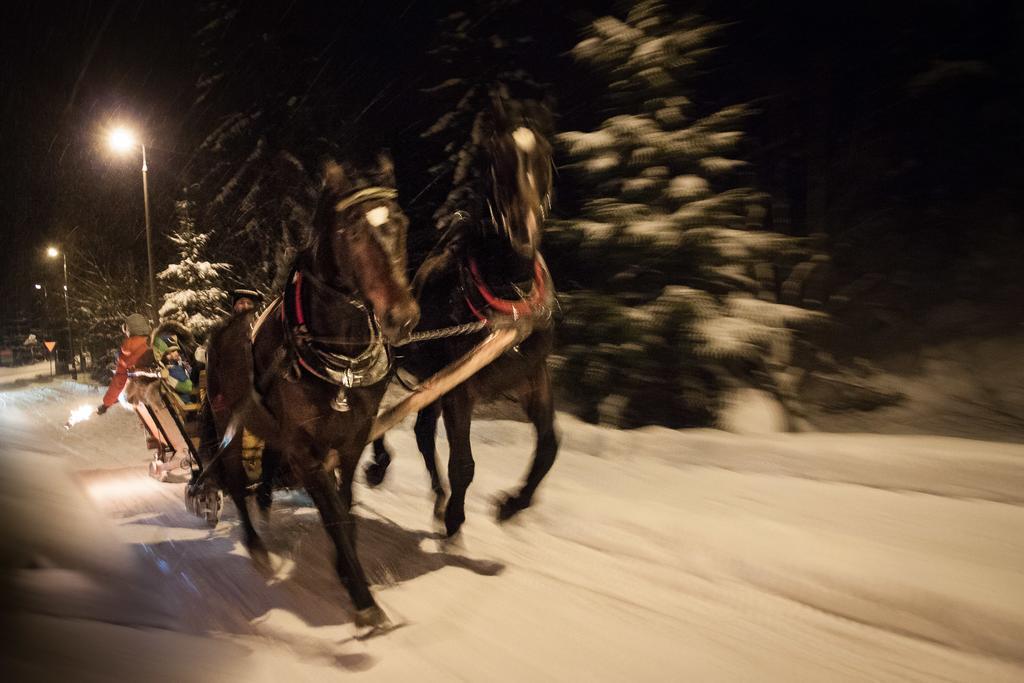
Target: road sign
{"x":50,"y":345}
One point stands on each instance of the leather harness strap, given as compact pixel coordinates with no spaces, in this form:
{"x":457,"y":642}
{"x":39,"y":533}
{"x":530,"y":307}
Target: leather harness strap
{"x":532,"y":304}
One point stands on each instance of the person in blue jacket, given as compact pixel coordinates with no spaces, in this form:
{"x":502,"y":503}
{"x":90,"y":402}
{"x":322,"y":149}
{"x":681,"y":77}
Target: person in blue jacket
{"x":176,"y":374}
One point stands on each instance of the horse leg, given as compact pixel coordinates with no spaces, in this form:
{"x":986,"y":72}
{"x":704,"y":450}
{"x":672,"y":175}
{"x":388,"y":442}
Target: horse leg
{"x":271,"y":459}
{"x":540,"y":408}
{"x":232,"y":474}
{"x":457,"y":410}
{"x":346,"y":478}
{"x":426,"y":441}
{"x":338,"y":522}
{"x":376,"y":470}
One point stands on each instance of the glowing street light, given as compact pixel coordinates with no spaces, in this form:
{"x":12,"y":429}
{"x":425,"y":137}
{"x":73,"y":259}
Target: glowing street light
{"x":122,"y":141}
{"x":54,"y":252}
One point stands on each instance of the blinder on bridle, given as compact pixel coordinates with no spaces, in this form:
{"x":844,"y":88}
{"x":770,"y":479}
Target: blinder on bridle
{"x":363,"y":195}
{"x":530,"y":168}
{"x":394,"y":246}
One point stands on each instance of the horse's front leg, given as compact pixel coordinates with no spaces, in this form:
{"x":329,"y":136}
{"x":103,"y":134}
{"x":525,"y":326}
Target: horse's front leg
{"x":540,"y":408}
{"x":457,"y":409}
{"x":323,"y":489}
{"x":426,"y":441}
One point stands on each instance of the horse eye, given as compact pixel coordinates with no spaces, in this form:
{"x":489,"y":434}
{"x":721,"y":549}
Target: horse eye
{"x":377,"y":216}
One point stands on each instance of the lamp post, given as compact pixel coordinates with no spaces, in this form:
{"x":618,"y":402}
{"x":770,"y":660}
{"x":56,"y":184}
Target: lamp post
{"x":46,"y":306}
{"x":123,"y":140}
{"x":49,"y":332}
{"x":54,"y":252}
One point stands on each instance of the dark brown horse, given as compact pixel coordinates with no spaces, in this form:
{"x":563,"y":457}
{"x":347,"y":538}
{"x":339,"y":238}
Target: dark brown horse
{"x":488,"y":266}
{"x":314,"y":374}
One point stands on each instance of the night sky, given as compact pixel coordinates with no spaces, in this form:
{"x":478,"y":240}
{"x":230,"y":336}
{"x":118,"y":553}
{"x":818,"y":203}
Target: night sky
{"x":834,"y":77}
{"x":69,"y":75}
{"x":66,"y":76}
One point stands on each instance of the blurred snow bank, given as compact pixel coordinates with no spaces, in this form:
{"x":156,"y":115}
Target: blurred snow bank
{"x":751,"y":411}
{"x":75,"y":603}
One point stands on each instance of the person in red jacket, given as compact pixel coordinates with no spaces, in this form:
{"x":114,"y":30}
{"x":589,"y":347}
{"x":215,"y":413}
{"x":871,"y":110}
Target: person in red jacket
{"x":136,"y":329}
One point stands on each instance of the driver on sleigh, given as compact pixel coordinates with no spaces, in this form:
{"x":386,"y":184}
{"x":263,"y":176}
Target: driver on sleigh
{"x":136,"y":343}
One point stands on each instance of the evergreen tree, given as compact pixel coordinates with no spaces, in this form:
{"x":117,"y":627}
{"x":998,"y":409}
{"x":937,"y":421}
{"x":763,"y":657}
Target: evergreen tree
{"x":671,"y":282}
{"x":253,"y":172}
{"x":484,"y":53}
{"x":194,"y":296}
{"x":103,"y":293}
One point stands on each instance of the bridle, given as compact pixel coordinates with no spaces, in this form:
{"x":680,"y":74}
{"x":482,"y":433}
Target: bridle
{"x":363,"y":195}
{"x":317,"y":354}
{"x":493,"y":199}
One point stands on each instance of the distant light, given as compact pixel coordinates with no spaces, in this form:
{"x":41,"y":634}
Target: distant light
{"x":65,"y":288}
{"x":52,"y":252}
{"x":39,"y":286}
{"x":122,"y":140}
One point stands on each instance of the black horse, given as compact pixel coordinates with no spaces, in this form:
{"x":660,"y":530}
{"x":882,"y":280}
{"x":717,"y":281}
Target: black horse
{"x":317,"y":366}
{"x":487,"y":266}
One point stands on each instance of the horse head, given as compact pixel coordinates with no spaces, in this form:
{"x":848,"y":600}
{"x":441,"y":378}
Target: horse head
{"x":360,"y":233}
{"x":519,"y":178}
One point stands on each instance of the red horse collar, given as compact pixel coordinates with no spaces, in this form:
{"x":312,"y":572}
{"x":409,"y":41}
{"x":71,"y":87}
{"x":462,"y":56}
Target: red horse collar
{"x":530,"y":305}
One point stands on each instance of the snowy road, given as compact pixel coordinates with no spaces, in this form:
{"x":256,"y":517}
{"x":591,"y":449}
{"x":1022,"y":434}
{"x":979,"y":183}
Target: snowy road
{"x":651,"y":555}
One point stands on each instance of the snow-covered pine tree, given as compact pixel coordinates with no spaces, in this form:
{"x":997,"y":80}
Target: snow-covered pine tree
{"x":194,"y":295}
{"x":483,"y":52}
{"x":668,"y":265}
{"x":251,"y":171}
{"x":104,"y":292}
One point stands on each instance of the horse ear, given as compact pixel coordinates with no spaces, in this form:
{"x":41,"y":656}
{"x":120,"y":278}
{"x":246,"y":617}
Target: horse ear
{"x":335,"y":178}
{"x":386,"y":169}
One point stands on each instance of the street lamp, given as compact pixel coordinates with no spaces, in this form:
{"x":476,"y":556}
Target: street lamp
{"x":49,"y":328}
{"x":123,"y":141}
{"x":54,"y":252}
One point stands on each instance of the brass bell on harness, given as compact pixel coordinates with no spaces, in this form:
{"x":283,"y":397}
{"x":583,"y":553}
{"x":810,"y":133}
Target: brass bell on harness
{"x":340,"y":402}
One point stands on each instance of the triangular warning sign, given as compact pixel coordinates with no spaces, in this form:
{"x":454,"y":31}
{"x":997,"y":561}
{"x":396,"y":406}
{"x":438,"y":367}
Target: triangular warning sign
{"x":50,"y":345}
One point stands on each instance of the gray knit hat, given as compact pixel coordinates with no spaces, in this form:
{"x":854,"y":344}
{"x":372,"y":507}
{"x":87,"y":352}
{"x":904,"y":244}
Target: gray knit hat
{"x":136,"y":325}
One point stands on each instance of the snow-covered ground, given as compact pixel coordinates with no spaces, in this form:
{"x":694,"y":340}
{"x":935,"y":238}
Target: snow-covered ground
{"x":650,"y":555}
{"x":24,"y":372}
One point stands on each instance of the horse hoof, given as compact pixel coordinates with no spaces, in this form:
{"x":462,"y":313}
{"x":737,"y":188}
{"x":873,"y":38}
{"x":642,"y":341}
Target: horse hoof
{"x":261,"y":559}
{"x":453,"y":545}
{"x":375,"y":474}
{"x":452,"y":527}
{"x":440,"y":503}
{"x":508,"y":506}
{"x":372,"y":621}
{"x":264,"y":499}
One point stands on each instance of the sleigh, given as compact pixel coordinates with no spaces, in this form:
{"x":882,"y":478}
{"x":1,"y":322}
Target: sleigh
{"x":171,"y":424}
{"x":173,"y":433}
